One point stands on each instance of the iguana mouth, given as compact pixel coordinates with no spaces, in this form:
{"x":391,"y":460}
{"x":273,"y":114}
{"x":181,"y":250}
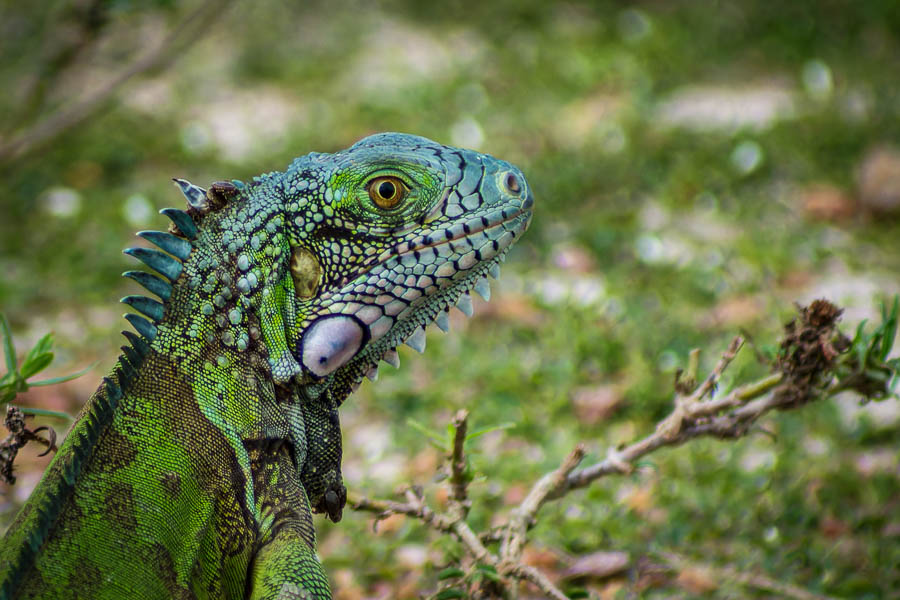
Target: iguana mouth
{"x":393,"y":300}
{"x":434,"y":307}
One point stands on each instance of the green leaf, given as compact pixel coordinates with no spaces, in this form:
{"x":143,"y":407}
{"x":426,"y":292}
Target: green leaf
{"x":638,"y":465}
{"x":7,"y":394}
{"x":436,"y":438}
{"x":43,"y":346}
{"x":43,"y":412}
{"x":860,"y":331}
{"x":860,"y":346}
{"x":451,"y":435}
{"x":877,"y":375}
{"x":769,"y":351}
{"x":449,"y":573}
{"x":488,"y":572}
{"x":489,"y":429}
{"x":39,"y":357}
{"x":63,"y":378}
{"x":35,"y":364}
{"x":8,"y":379}
{"x":889,"y":326}
{"x":8,"y":350}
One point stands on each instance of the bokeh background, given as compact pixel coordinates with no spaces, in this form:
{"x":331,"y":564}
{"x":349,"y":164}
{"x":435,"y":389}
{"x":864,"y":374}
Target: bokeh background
{"x":698,"y":167}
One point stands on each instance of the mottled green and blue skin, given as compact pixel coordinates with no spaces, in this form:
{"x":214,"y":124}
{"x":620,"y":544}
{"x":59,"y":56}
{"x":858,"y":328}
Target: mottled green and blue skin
{"x":192,"y":471}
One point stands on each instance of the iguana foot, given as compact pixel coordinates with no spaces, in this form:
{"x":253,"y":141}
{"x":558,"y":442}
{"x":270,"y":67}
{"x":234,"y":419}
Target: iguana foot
{"x":332,"y":501}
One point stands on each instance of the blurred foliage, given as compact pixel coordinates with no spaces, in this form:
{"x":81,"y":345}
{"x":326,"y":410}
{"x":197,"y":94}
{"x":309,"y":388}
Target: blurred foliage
{"x":16,"y":378}
{"x":681,"y":154}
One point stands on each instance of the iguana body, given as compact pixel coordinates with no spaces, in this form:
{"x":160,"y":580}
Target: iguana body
{"x":191,"y":471}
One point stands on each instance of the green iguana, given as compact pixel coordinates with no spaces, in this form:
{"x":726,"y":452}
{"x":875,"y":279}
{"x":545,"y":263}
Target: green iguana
{"x":190,"y":473}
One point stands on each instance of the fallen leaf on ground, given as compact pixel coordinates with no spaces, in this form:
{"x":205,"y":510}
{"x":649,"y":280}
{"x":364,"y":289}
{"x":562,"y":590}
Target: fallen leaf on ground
{"x":593,"y":404}
{"x":696,"y":580}
{"x":826,"y":202}
{"x":879,"y":181}
{"x":598,"y":565}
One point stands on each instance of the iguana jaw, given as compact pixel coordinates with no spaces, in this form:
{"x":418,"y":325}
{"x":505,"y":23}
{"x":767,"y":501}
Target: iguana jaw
{"x":429,"y":308}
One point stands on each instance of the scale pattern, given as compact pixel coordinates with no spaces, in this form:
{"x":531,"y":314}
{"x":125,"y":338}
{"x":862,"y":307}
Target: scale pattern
{"x":194,"y":469}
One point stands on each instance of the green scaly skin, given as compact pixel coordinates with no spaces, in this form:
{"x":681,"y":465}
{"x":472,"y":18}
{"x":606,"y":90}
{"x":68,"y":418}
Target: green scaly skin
{"x":191,"y":471}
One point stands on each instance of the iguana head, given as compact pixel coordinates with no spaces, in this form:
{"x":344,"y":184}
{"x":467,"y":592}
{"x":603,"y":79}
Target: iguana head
{"x":384,"y":238}
{"x":324,"y":269}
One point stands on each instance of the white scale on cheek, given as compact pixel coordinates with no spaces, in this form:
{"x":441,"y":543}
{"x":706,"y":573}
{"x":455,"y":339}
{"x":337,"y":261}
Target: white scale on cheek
{"x":426,"y":257}
{"x":446,"y":269}
{"x":506,"y":239}
{"x":410,"y":294}
{"x":467,"y":261}
{"x":381,"y":327}
{"x":369,"y":314}
{"x":487,"y":251}
{"x":394,"y":307}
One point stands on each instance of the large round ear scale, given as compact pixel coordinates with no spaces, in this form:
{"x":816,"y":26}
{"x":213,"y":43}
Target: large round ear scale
{"x":330,"y":342}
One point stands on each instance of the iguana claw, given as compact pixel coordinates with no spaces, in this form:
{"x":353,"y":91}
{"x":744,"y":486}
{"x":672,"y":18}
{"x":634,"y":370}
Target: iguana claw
{"x":332,"y":502}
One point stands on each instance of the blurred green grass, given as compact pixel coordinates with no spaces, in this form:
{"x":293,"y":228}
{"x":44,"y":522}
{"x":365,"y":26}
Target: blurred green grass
{"x":666,"y":220}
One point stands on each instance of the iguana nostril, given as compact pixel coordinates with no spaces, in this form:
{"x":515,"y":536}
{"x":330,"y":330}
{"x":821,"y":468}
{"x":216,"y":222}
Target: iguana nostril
{"x":529,"y":201}
{"x":512,"y":183}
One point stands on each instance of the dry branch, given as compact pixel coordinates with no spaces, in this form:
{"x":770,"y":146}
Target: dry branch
{"x":19,"y":436}
{"x":458,"y":478}
{"x":804,"y":372}
{"x":194,"y":26}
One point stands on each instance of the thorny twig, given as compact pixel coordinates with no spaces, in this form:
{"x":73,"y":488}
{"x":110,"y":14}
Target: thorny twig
{"x":19,"y":435}
{"x":522,"y":518}
{"x":803,"y":373}
{"x":507,"y":563}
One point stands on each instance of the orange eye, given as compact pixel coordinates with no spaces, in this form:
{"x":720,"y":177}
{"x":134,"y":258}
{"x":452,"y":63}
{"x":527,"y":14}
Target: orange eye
{"x":387,"y":192}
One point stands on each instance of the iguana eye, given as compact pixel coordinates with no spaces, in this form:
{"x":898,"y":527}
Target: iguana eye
{"x":387,"y":192}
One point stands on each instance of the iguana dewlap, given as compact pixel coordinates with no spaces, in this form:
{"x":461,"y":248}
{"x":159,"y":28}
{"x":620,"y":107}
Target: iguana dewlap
{"x":190,"y":473}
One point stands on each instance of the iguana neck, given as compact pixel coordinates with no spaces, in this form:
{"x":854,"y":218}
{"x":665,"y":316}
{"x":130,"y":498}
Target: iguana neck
{"x":224,"y":325}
